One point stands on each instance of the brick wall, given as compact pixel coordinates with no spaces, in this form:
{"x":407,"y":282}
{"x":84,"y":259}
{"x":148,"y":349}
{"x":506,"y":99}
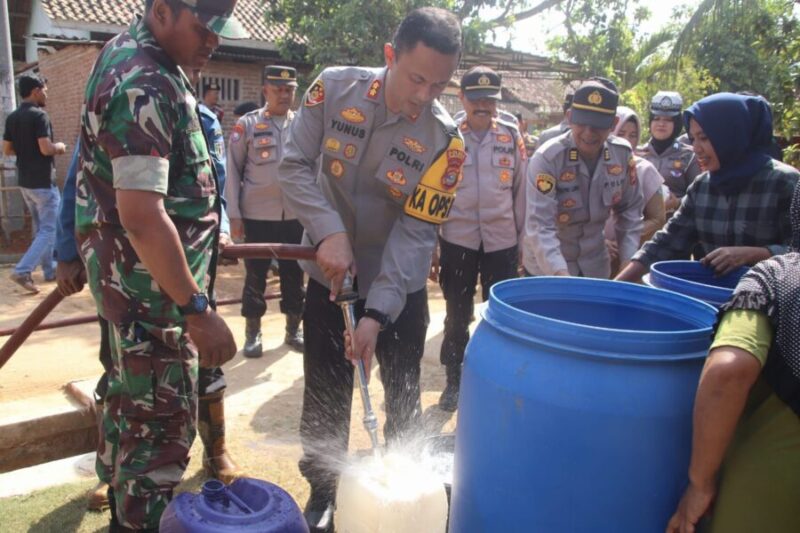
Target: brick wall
{"x":66,"y":71}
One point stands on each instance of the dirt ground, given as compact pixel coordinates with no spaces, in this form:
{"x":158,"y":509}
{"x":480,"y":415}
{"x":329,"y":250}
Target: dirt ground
{"x":264,"y":395}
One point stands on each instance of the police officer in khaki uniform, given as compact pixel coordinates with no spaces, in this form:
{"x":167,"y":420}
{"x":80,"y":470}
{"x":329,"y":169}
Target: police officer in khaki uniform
{"x":675,"y":161}
{"x":257,"y":207}
{"x":370,"y":167}
{"x":481,"y":235}
{"x":574,"y":182}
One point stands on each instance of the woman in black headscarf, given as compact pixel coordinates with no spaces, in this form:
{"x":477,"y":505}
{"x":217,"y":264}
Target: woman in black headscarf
{"x":737,"y":212}
{"x":745,"y":468}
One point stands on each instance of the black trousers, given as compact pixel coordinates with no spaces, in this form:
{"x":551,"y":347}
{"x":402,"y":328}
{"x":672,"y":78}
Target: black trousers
{"x":459,"y":269}
{"x":291,"y":275}
{"x":328,"y":393}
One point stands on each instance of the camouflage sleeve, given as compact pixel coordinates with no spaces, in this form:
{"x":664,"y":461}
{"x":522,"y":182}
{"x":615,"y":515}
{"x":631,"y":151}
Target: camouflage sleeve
{"x":540,"y":223}
{"x":136,"y":132}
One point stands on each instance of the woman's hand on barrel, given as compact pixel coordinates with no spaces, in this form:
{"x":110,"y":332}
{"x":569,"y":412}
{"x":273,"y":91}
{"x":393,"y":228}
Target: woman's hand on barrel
{"x":728,"y":258}
{"x":363,"y":345}
{"x":695,"y":503}
{"x":335,"y":258}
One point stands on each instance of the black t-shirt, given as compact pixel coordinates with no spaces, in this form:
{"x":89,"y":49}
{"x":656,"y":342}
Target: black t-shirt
{"x":24,"y":127}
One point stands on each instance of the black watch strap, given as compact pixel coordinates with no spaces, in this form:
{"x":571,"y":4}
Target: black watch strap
{"x":380,"y":318}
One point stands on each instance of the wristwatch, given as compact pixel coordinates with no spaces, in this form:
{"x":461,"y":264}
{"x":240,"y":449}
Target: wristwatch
{"x":198,"y":303}
{"x":377,"y":316}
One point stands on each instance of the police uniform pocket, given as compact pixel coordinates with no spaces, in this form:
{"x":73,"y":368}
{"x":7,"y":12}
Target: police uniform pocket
{"x":612,"y":194}
{"x":399,"y":174}
{"x":501,"y":159}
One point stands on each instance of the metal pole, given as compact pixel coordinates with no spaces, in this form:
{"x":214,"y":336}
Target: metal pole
{"x":8,"y":101}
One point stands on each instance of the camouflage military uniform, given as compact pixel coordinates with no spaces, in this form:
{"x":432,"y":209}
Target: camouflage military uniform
{"x":140,"y":130}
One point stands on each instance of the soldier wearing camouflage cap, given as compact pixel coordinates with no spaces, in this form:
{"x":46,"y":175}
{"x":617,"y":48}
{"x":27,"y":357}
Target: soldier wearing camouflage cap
{"x":147,"y":221}
{"x":674,"y":160}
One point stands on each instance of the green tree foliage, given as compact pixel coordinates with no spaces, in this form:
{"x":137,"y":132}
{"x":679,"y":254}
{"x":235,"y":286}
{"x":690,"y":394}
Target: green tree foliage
{"x":352,"y":32}
{"x":717,"y":45}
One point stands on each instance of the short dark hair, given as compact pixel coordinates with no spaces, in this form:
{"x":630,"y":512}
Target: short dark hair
{"x":28,"y":83}
{"x":174,"y":5}
{"x":437,"y":28}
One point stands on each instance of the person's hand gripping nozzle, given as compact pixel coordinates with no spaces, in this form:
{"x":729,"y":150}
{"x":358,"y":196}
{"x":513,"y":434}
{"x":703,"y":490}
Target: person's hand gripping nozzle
{"x":346,"y":300}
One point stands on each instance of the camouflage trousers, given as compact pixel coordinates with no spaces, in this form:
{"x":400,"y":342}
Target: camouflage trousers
{"x":149,"y":420}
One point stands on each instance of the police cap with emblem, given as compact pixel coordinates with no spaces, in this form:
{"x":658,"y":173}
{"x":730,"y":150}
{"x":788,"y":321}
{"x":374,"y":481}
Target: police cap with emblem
{"x":217,"y":16}
{"x":666,"y":104}
{"x":210,"y":86}
{"x":594,"y":105}
{"x":481,"y":82}
{"x":280,"y":75}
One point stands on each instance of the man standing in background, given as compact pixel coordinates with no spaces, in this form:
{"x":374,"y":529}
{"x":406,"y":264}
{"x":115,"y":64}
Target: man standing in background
{"x":258,"y":210}
{"x":29,"y":136}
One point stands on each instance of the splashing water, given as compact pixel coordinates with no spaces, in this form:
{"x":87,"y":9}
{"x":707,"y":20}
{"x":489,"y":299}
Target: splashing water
{"x":401,"y":492}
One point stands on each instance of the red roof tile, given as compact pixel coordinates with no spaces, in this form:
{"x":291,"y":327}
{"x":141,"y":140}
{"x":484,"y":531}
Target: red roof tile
{"x":120,"y":12}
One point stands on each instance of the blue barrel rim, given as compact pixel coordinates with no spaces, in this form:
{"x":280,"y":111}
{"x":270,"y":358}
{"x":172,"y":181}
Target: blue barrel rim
{"x":717,"y":294}
{"x":654,"y":346}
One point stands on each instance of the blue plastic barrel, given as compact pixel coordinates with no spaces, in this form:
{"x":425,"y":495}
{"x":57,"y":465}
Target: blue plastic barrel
{"x":246,"y":505}
{"x":575,"y":411}
{"x":694,"y":279}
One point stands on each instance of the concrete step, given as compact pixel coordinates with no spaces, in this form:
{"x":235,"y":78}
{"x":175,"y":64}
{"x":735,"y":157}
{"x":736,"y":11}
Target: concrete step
{"x":46,"y":428}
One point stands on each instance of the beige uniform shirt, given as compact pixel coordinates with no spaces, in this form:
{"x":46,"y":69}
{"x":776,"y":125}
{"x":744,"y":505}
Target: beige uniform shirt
{"x":677,"y":165}
{"x":490,"y":205}
{"x":254,"y":152}
{"x":567,"y":208}
{"x":350,"y":165}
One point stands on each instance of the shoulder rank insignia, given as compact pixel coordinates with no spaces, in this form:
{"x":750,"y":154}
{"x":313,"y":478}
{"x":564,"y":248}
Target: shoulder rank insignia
{"x":607,"y":154}
{"x":545,"y":183}
{"x":315,"y":94}
{"x":573,"y":154}
{"x":374,"y":90}
{"x":414,"y":145}
{"x":353,"y":114}
{"x":434,"y":194}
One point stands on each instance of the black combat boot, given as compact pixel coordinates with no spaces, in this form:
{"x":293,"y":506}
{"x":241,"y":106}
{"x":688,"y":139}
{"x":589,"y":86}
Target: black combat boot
{"x":294,"y":336}
{"x":211,"y":428}
{"x":252,"y":338}
{"x":319,"y":511}
{"x":448,"y":401}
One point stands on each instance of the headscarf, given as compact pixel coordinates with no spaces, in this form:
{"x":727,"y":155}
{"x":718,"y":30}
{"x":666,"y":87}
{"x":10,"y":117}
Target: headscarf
{"x":626,"y":114}
{"x":659,"y":145}
{"x":740,"y":130}
{"x":773,"y":288}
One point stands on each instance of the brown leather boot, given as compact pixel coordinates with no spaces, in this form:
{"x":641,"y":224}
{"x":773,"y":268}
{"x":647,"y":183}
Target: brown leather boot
{"x":97,"y":498}
{"x":211,"y":427}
